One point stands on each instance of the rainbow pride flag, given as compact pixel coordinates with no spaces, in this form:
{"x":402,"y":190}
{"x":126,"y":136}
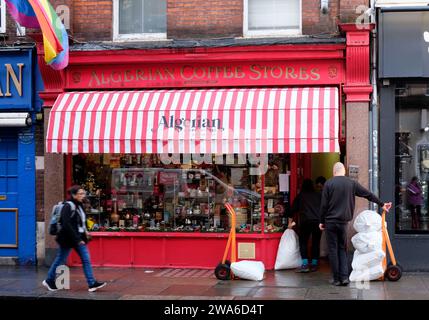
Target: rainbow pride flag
{"x":40,"y":14}
{"x":23,"y":13}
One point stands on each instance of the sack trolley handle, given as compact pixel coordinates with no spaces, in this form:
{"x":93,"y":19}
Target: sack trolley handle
{"x":386,"y":241}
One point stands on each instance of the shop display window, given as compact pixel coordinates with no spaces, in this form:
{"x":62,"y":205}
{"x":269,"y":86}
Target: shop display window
{"x":139,"y":193}
{"x":412,"y":158}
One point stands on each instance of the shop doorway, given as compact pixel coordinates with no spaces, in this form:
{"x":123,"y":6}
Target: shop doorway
{"x":8,"y":193}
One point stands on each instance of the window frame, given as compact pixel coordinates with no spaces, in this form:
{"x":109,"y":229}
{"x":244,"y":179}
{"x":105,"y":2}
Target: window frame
{"x":3,"y":16}
{"x":269,"y":32}
{"x":132,"y":36}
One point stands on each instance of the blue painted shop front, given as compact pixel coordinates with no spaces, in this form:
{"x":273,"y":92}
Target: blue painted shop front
{"x":19,"y":83}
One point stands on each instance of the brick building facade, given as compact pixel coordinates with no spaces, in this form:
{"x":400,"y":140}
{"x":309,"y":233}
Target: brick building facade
{"x":189,"y":24}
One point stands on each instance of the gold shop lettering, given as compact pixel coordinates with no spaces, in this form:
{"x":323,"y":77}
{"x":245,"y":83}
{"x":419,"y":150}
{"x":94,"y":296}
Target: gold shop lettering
{"x":252,"y":72}
{"x":131,"y":75}
{"x":11,"y":74}
{"x":258,"y":71}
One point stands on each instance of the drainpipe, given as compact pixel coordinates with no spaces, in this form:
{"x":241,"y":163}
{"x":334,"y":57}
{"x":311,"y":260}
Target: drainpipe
{"x":374,"y":111}
{"x":324,"y":6}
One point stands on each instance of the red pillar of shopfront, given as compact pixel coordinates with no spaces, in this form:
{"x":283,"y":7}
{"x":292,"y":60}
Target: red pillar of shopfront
{"x":302,"y":65}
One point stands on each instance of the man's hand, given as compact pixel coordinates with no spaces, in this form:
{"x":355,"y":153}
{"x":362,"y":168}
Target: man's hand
{"x":291,"y":225}
{"x":387,"y":206}
{"x":322,"y":226}
{"x":81,"y":243}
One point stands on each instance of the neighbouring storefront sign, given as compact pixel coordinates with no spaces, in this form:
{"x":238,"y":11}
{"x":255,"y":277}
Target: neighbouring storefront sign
{"x":404,"y":44}
{"x":216,"y":74}
{"x":16,"y":81}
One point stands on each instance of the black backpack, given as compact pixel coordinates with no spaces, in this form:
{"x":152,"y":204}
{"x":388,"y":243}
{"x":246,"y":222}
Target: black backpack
{"x":55,"y":224}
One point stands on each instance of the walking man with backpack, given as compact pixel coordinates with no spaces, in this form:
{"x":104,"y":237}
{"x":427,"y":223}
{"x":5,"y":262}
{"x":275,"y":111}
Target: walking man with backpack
{"x":69,"y":226}
{"x":337,"y":208}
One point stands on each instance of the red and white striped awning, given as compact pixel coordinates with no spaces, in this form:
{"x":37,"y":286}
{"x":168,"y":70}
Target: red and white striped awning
{"x":267,"y":120}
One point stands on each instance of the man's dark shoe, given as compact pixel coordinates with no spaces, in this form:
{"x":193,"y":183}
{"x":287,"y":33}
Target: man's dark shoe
{"x":303,"y":269}
{"x":313,"y":267}
{"x":335,"y":282}
{"x":50,"y":285}
{"x":345,"y":282}
{"x":97,"y":285}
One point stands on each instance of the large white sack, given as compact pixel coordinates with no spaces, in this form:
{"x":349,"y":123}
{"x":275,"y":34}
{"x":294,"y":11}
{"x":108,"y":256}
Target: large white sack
{"x":365,"y":242}
{"x":362,"y":261}
{"x":250,"y":270}
{"x":368,"y":274}
{"x":324,"y":250}
{"x":367,"y":221}
{"x":288,"y":254}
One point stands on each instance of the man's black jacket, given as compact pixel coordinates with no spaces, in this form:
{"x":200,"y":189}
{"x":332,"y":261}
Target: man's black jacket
{"x":338,"y":199}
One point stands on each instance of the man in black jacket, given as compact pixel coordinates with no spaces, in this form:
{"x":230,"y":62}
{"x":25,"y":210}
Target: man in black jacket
{"x":337,"y":208}
{"x":73,"y":235}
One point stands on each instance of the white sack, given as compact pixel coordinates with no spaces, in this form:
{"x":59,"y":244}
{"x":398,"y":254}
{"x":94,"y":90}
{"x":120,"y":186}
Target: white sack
{"x":250,"y":270}
{"x":288,"y":254}
{"x":366,"y":242}
{"x":324,"y":250}
{"x":368,"y":274}
{"x":367,"y":221}
{"x":362,"y":261}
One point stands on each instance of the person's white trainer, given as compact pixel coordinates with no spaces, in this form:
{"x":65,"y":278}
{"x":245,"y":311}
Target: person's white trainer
{"x":97,"y":285}
{"x":50,"y":286}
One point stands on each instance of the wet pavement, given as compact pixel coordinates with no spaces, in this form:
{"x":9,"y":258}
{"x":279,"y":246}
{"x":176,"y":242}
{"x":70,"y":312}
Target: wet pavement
{"x":193,"y":284}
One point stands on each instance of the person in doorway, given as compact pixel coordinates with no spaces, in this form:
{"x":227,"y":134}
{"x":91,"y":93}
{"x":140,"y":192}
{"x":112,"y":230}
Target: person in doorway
{"x":415,"y":201}
{"x":73,"y":235}
{"x":320,"y":182}
{"x":307,"y":204}
{"x":336,"y":210}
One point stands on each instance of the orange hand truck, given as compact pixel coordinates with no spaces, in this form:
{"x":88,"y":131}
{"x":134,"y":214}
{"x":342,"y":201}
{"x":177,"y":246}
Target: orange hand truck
{"x":223,"y":269}
{"x":393,"y":271}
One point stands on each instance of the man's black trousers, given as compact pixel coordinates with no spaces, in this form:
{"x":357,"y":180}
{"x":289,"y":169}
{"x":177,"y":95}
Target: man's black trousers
{"x":336,"y":235}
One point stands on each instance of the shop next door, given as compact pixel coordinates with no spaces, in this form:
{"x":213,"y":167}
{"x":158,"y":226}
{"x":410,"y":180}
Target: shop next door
{"x":8,"y":192}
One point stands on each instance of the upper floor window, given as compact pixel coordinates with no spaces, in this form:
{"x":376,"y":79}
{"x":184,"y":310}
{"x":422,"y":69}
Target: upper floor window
{"x":2,"y":16}
{"x":139,"y":19}
{"x":272,"y":17}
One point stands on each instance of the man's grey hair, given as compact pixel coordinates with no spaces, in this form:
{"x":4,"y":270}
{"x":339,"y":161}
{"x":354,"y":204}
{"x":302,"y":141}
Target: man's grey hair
{"x":338,"y":169}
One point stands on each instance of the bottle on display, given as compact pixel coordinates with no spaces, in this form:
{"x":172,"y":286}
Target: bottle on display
{"x":114,"y":217}
{"x":155,"y":186}
{"x":135,"y":221}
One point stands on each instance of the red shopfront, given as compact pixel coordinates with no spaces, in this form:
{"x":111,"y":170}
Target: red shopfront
{"x":118,"y":109}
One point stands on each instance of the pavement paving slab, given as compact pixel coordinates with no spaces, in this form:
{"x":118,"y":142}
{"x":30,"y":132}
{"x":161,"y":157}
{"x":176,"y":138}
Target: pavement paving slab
{"x":279,"y":292}
{"x":195,"y":284}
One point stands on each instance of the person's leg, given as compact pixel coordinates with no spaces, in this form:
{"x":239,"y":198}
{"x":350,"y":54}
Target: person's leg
{"x":303,"y":246}
{"x":418,"y":215}
{"x":83,"y":252}
{"x":60,"y":259}
{"x":303,"y":241}
{"x":332,"y":239}
{"x":342,"y":252}
{"x":316,"y":234}
{"x":413,"y":210}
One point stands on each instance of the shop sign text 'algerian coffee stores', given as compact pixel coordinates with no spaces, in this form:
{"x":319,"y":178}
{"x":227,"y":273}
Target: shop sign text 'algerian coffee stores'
{"x":214,"y":74}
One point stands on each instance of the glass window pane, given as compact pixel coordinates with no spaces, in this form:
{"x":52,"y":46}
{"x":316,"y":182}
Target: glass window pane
{"x":12,"y":184}
{"x":142,"y":16}
{"x":412,"y":158}
{"x":3,"y":186}
{"x":273,"y":14}
{"x":155,"y":20}
{"x":130,"y":16}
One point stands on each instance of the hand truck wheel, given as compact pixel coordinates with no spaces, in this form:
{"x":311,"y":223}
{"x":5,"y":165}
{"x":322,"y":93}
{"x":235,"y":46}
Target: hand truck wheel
{"x":223,"y":271}
{"x":393,"y":273}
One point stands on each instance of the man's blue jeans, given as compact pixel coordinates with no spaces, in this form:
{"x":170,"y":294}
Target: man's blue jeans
{"x":61,"y":259}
